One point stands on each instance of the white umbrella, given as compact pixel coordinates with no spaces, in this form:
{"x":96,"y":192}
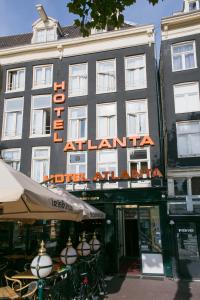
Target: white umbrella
{"x":21,"y":198}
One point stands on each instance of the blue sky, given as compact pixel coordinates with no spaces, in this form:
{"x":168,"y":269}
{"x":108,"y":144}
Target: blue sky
{"x":17,"y":16}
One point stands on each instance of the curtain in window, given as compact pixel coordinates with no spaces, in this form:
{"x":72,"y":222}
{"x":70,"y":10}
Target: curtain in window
{"x":41,"y":169}
{"x":177,"y":62}
{"x":189,"y":61}
{"x":106,"y":120}
{"x":106,"y":78}
{"x":135,"y":72}
{"x":38,"y":122}
{"x":38,"y":76}
{"x":188,"y":139}
{"x":10,"y":128}
{"x":137,"y":118}
{"x":78,"y":80}
{"x":48,"y":71}
{"x":77,"y":122}
{"x":186,"y":97}
{"x":21,"y":79}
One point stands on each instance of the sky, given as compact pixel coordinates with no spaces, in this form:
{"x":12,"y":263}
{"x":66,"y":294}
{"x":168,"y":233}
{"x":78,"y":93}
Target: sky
{"x":17,"y":16}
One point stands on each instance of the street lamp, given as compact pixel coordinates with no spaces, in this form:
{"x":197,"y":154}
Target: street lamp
{"x":41,"y":267}
{"x":94,"y":243}
{"x":83,"y":247}
{"x":68,"y":255}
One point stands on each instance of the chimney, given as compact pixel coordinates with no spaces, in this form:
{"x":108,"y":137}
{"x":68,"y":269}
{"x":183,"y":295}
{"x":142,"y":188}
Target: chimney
{"x":42,"y":12}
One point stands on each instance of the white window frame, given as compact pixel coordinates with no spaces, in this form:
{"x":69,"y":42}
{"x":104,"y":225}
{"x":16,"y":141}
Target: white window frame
{"x":139,"y":183}
{"x":11,"y":90}
{"x":186,"y":155}
{"x":98,"y":91}
{"x":182,"y":56}
{"x":77,"y":153}
{"x":127,"y":88}
{"x":32,"y":135}
{"x":77,"y":94}
{"x":12,"y":150}
{"x":97,"y":116}
{"x":32,"y":158}
{"x":4,"y":137}
{"x":184,"y":84}
{"x":107,"y":185}
{"x":42,"y":85}
{"x":46,"y":39}
{"x":128,"y":133}
{"x":69,"y":125}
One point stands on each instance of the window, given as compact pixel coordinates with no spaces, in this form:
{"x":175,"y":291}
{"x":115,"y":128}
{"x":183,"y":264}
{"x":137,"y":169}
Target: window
{"x":13,"y":112}
{"x":42,"y":76}
{"x":135,"y":72}
{"x":194,"y":5}
{"x":15,"y":80}
{"x":138,"y":160}
{"x":78,"y":80}
{"x":46,"y":35}
{"x":107,"y":162}
{"x":106,"y":76}
{"x":40,"y":163}
{"x":183,"y":56}
{"x":188,"y":138}
{"x":186,"y":97}
{"x":180,"y":186}
{"x":12,"y":157}
{"x":137,"y":117}
{"x":106,"y":120}
{"x":41,"y":115}
{"x":195,"y":181}
{"x":77,"y":163}
{"x":77,"y":123}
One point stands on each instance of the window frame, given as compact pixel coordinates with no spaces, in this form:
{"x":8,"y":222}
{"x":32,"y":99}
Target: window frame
{"x":69,"y":127}
{"x":115,"y":72}
{"x":45,"y":30}
{"x":97,"y":128}
{"x":186,"y":84}
{"x":12,"y":150}
{"x":128,"y":134}
{"x":148,"y":159}
{"x":3,"y":137}
{"x":40,"y":86}
{"x":145,"y":71}
{"x":77,"y":153}
{"x":7,"y":80}
{"x":188,"y":155}
{"x":71,"y":95}
{"x":48,"y":148}
{"x":194,"y":52}
{"x":31,"y":118}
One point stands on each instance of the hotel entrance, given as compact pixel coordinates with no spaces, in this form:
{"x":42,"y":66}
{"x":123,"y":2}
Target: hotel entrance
{"x":139,"y":240}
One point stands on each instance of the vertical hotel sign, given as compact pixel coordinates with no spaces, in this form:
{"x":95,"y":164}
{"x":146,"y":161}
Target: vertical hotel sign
{"x":59,"y":100}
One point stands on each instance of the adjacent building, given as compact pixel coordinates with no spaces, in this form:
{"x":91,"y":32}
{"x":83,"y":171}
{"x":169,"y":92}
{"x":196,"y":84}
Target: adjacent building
{"x":180,"y":76}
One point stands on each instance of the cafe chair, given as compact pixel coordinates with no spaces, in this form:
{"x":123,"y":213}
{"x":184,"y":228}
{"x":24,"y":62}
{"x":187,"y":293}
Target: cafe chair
{"x":28,"y":291}
{"x":13,"y":283}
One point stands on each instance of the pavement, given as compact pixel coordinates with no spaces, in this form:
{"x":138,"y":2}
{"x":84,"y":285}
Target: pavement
{"x":133,"y":288}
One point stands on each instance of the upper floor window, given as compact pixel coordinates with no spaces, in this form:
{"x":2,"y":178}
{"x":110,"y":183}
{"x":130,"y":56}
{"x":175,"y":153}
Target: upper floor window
{"x":42,"y":76}
{"x":41,"y":115}
{"x":78,"y":80}
{"x":13,"y":112}
{"x":188,"y":138}
{"x":194,"y":5}
{"x":180,"y":186}
{"x":15,"y":80}
{"x":186,"y":97}
{"x":137,"y":117}
{"x":138,"y":160}
{"x":106,"y":76}
{"x":77,"y":162}
{"x":77,"y":123}
{"x":40,"y":163}
{"x":107,"y":161}
{"x":45,"y":35}
{"x":12,"y":157}
{"x":135,"y":72}
{"x":183,"y":56}
{"x":106,"y":120}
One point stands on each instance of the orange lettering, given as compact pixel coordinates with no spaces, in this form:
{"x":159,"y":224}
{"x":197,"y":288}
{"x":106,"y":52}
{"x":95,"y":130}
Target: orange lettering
{"x":105,"y":144}
{"x":58,"y":124}
{"x":134,"y":139}
{"x":58,"y":111}
{"x":156,"y":173}
{"x":98,"y":177}
{"x":121,"y":143}
{"x":68,"y":177}
{"x":57,"y":86}
{"x":69,"y":146}
{"x":90,"y":146}
{"x":56,"y":138}
{"x":80,"y":144}
{"x":59,"y":178}
{"x":146,"y":141}
{"x":124,"y":175}
{"x":59,"y":98}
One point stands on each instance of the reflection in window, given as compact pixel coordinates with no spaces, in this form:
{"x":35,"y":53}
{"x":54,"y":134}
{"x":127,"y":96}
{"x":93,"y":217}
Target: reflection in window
{"x":187,"y":241}
{"x":150,"y":233}
{"x":196,"y":186}
{"x":180,"y":186}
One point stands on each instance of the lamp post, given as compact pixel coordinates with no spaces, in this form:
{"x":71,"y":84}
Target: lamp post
{"x":68,"y":255}
{"x":41,"y":266}
{"x":94,"y":243}
{"x":83,"y":247}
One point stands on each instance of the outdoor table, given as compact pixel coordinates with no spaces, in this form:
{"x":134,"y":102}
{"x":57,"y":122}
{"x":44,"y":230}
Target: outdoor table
{"x":7,"y":293}
{"x":25,"y":275}
{"x":18,"y":256}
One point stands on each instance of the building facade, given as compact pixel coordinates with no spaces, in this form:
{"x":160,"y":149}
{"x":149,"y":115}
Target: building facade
{"x":84,"y":112}
{"x":180,"y":73}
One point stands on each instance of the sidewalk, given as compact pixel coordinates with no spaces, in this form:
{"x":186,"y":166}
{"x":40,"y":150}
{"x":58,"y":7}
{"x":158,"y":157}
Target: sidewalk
{"x":131,"y":288}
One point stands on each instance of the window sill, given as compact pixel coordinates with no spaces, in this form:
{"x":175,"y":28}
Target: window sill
{"x":11,"y":138}
{"x":41,"y":87}
{"x":76,"y":95}
{"x":184,"y":69}
{"x":135,"y":88}
{"x":15,"y":91}
{"x":105,"y":92}
{"x":39,"y":136}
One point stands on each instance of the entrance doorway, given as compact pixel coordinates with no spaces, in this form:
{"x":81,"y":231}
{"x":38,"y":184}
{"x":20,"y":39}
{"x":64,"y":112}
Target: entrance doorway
{"x":131,"y":238}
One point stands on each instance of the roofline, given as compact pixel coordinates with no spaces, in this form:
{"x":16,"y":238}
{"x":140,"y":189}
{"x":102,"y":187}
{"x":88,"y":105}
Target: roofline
{"x":179,"y":18}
